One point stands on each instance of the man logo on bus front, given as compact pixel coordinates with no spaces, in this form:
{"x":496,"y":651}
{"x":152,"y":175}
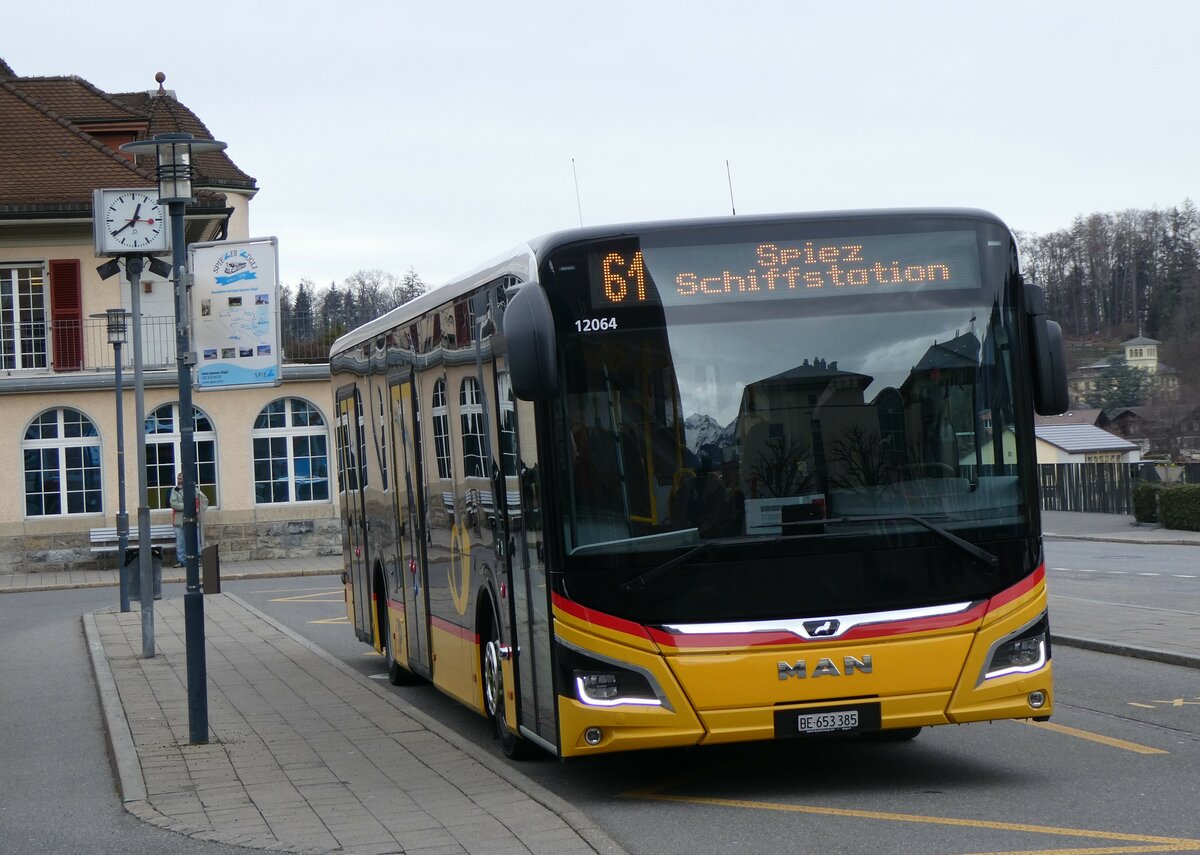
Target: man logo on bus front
{"x":819,"y":628}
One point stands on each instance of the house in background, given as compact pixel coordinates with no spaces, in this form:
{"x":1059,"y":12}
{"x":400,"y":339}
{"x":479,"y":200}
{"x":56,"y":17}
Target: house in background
{"x":262,"y":453}
{"x":1169,"y":430}
{"x":1093,"y":416}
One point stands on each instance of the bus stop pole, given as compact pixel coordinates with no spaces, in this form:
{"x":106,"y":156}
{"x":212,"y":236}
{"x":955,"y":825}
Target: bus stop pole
{"x":122,"y":512}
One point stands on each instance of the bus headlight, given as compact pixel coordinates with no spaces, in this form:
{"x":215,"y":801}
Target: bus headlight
{"x":610,"y":689}
{"x":602,"y":682}
{"x":1023,"y":652}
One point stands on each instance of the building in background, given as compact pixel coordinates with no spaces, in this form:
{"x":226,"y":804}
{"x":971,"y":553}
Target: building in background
{"x":1087,"y":383}
{"x":263,"y":453}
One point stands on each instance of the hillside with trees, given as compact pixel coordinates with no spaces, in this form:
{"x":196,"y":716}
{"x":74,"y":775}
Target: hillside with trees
{"x":1110,"y":277}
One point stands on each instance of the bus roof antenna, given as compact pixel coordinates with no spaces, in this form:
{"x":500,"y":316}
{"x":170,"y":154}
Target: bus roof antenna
{"x":729,"y":178}
{"x":578,"y":204}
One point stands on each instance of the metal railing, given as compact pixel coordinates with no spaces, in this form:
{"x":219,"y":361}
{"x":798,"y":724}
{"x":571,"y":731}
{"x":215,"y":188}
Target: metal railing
{"x":76,"y":345}
{"x":83,"y":345}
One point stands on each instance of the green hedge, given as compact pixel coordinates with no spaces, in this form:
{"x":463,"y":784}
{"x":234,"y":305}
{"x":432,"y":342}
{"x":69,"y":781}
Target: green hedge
{"x":1179,"y":507}
{"x":1145,"y":501}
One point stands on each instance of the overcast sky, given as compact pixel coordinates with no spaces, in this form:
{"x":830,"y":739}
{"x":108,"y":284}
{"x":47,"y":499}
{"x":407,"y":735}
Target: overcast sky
{"x":436,"y":135}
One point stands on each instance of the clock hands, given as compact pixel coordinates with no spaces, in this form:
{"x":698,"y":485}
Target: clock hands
{"x":135,"y":219}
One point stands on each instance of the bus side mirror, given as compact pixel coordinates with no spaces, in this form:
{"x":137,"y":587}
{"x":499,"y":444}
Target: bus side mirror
{"x":1049,"y":367}
{"x":529,"y":335}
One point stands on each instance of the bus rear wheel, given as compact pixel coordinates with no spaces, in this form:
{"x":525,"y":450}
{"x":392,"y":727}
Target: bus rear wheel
{"x":513,"y":746}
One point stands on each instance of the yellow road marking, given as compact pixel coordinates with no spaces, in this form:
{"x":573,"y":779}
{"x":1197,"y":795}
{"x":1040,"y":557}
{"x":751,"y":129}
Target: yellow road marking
{"x":313,"y":597}
{"x":1143,"y":706}
{"x":1164,"y":844}
{"x":332,"y":620}
{"x":1097,"y":850}
{"x":282,"y":590}
{"x":1094,"y":737}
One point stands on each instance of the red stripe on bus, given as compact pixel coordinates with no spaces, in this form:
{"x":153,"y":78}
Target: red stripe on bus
{"x":599,"y":618}
{"x":454,"y":629}
{"x":769,"y":638}
{"x":1020,"y":589}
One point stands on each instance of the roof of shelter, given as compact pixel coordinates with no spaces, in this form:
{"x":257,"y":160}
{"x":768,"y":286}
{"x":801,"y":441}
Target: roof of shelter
{"x":1078,"y":439}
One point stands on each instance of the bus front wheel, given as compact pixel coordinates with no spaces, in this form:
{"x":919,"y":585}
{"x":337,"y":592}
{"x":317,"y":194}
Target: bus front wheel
{"x":513,"y":746}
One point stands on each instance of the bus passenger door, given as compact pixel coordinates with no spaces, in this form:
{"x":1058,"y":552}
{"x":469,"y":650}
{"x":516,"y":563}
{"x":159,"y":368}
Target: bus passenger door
{"x":530,"y":600}
{"x":354,"y":520}
{"x":410,"y":489}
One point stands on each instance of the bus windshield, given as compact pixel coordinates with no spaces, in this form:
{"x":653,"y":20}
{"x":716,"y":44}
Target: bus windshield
{"x":772,"y":385}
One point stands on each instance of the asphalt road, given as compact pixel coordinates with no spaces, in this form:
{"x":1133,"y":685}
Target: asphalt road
{"x":59,"y":793}
{"x":1151,"y":575}
{"x":1116,"y":767}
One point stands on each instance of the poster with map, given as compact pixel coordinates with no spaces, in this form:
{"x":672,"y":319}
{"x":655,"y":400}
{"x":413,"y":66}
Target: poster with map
{"x":235,"y":313}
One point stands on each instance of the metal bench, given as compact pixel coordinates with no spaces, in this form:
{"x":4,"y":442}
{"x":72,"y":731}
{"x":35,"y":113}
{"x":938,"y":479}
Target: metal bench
{"x":106,"y":540}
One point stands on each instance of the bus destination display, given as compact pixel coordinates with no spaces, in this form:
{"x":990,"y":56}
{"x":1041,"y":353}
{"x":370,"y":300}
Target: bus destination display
{"x":625,"y":275}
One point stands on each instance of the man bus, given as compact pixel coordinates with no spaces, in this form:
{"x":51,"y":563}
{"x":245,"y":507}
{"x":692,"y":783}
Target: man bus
{"x":708,"y":481}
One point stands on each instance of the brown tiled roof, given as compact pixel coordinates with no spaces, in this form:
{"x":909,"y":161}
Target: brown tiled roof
{"x":168,"y":116}
{"x":48,"y":161}
{"x":77,"y":99}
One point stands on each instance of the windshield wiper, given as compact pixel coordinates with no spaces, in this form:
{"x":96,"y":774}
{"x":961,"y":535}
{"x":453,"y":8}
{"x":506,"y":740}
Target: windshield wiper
{"x":979,"y":554}
{"x":637,"y":583}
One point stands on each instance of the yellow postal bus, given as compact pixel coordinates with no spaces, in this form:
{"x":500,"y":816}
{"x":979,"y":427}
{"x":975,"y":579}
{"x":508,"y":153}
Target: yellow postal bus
{"x":708,"y":481}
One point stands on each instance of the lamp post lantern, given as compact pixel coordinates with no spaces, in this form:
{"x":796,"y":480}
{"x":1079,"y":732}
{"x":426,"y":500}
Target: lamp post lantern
{"x":174,"y":153}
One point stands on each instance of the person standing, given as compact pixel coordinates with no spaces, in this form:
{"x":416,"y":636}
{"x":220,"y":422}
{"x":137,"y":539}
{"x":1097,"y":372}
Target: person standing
{"x":177,"y":519}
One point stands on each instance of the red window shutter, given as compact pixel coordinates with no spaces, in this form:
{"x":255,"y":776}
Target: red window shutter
{"x":66,"y":318}
{"x":462,"y":324}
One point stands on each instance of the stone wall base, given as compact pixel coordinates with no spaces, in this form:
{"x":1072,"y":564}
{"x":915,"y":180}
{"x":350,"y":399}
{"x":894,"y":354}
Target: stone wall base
{"x":239,"y":542}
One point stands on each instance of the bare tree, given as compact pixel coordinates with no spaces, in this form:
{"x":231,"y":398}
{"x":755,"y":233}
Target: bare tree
{"x":859,"y":456}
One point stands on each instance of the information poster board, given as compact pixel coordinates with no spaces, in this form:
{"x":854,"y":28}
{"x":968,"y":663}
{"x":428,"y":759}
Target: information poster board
{"x":235,"y":313}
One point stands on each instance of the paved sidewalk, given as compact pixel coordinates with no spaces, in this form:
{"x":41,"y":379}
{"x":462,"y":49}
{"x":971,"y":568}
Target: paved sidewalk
{"x":306,"y":755}
{"x":1112,"y":528}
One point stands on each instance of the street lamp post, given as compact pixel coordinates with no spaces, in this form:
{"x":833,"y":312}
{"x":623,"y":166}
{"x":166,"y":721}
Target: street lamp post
{"x":173,"y":153}
{"x":117,"y":337}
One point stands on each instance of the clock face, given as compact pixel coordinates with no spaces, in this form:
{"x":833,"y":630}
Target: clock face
{"x":132,"y":220}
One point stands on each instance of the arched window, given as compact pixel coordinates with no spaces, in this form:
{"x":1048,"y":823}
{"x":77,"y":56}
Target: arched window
{"x":441,"y":428}
{"x":61,"y":449}
{"x":291,"y":457}
{"x":470,"y":409}
{"x":163,"y":455}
